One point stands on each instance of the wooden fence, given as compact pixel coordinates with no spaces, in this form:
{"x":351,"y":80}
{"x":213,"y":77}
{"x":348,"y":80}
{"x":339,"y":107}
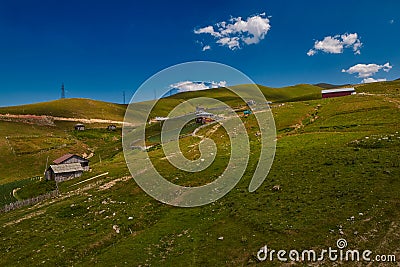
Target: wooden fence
{"x":27,"y":202}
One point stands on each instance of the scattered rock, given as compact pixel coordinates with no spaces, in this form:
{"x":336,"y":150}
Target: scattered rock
{"x":351,"y":218}
{"x":221,"y":238}
{"x":116,"y":228}
{"x":276,"y":188}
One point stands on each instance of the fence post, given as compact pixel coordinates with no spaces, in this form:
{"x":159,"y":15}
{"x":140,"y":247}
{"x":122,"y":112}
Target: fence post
{"x":26,"y":202}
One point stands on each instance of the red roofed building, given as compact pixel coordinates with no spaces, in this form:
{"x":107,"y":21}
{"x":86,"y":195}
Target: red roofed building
{"x":71,"y":158}
{"x":67,"y":167}
{"x":337,"y":92}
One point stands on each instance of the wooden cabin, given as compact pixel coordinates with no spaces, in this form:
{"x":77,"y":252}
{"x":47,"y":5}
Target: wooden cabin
{"x":67,"y":167}
{"x":205,"y":117}
{"x":112,"y":127}
{"x":64,"y":172}
{"x":251,"y":102}
{"x":200,"y":109}
{"x":79,"y":127}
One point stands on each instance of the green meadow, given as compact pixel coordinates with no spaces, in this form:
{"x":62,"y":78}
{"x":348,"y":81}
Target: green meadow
{"x":336,"y":174}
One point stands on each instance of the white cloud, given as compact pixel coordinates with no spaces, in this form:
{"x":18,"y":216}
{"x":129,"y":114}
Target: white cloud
{"x":372,"y":80}
{"x":209,"y":30}
{"x":185,"y":86}
{"x":367,"y":70}
{"x":238,"y":32}
{"x":336,"y":44}
{"x":233,"y":43}
{"x":311,"y":52}
{"x":207,"y":47}
{"x":329,"y":45}
{"x":349,"y":39}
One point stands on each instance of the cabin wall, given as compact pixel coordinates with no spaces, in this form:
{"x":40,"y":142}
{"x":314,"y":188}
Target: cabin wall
{"x":59,"y":177}
{"x":336,"y":94}
{"x":49,"y":175}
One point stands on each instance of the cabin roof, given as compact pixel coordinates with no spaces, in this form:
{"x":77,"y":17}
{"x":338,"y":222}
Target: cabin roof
{"x":65,"y":157}
{"x":204,"y":114}
{"x":350,"y":89}
{"x":63,"y":168}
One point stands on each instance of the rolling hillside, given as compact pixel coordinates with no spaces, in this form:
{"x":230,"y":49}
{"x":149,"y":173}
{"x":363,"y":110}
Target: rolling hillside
{"x":335,"y":175}
{"x":71,"y":108}
{"x":284,"y":94}
{"x":331,"y":86}
{"x":92,"y":109}
{"x":32,"y":141}
{"x":277,"y":95}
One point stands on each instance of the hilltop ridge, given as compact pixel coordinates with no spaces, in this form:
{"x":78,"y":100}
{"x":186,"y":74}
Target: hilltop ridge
{"x":331,"y":86}
{"x":71,"y":108}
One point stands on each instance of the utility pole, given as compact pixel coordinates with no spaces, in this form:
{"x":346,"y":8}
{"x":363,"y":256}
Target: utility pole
{"x":62,"y":91}
{"x":123,"y":95}
{"x":47,"y":164}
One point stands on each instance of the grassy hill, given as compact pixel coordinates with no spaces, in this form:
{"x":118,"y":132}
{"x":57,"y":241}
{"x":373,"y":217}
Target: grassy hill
{"x":27,"y":146}
{"x":336,"y":164}
{"x":31,"y":143}
{"x":284,"y":94}
{"x":331,"y":86}
{"x":391,"y":88}
{"x":71,"y":108}
{"x":277,"y":95}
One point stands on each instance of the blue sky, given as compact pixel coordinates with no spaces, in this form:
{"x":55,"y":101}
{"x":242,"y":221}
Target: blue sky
{"x":100,"y":48}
